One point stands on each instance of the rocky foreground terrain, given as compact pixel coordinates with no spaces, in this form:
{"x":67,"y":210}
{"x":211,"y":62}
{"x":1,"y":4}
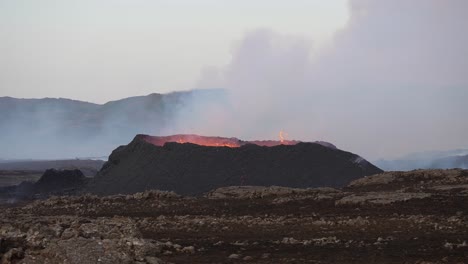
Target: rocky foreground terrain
{"x":394,"y":217}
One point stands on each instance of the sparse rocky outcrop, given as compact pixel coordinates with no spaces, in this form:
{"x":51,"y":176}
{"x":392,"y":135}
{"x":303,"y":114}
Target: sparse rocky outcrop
{"x":416,"y":179}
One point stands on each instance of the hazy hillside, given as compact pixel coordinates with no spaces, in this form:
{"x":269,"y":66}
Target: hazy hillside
{"x":457,"y":158}
{"x":451,"y":162}
{"x":62,"y":128}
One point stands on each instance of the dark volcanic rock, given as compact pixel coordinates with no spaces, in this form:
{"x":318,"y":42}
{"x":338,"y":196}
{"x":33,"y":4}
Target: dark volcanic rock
{"x":194,"y":169}
{"x":60,"y":180}
{"x":52,"y":182}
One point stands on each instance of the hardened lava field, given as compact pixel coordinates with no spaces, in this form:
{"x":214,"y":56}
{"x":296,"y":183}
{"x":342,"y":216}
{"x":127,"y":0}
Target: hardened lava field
{"x":394,"y":217}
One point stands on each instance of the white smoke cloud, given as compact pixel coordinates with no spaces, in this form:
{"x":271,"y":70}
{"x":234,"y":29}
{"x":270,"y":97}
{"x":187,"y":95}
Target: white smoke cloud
{"x":413,"y":43}
{"x":393,"y":81}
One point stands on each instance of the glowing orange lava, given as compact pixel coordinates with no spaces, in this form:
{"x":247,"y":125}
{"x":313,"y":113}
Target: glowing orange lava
{"x":217,"y":141}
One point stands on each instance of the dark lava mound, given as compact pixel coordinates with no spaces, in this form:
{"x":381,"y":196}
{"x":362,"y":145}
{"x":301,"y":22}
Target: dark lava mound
{"x":153,"y":163}
{"x":60,"y":181}
{"x":52,"y":182}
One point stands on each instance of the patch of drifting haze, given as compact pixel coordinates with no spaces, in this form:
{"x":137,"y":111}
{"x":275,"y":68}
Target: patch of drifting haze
{"x":450,"y":162}
{"x":203,"y":113}
{"x":393,"y":81}
{"x":457,"y":158}
{"x":38,"y":128}
{"x":436,"y":154}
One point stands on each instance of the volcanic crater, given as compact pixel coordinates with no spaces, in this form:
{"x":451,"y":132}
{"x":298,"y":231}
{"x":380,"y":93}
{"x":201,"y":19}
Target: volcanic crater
{"x":193,"y":164}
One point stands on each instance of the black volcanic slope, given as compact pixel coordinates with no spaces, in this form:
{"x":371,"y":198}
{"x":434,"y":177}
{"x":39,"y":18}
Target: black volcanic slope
{"x":193,"y":169}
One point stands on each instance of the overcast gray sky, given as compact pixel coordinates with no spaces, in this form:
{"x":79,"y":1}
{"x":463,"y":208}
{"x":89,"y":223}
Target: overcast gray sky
{"x":109,"y":49}
{"x":377,"y":77}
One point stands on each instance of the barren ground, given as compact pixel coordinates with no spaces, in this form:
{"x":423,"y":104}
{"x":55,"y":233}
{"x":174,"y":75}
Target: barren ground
{"x":415,"y":217}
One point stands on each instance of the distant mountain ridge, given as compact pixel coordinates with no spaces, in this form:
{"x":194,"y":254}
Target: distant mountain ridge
{"x":57,"y":128}
{"x":87,"y":166}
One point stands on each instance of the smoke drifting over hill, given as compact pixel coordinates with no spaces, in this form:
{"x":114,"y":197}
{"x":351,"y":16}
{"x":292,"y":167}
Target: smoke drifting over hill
{"x":62,"y":128}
